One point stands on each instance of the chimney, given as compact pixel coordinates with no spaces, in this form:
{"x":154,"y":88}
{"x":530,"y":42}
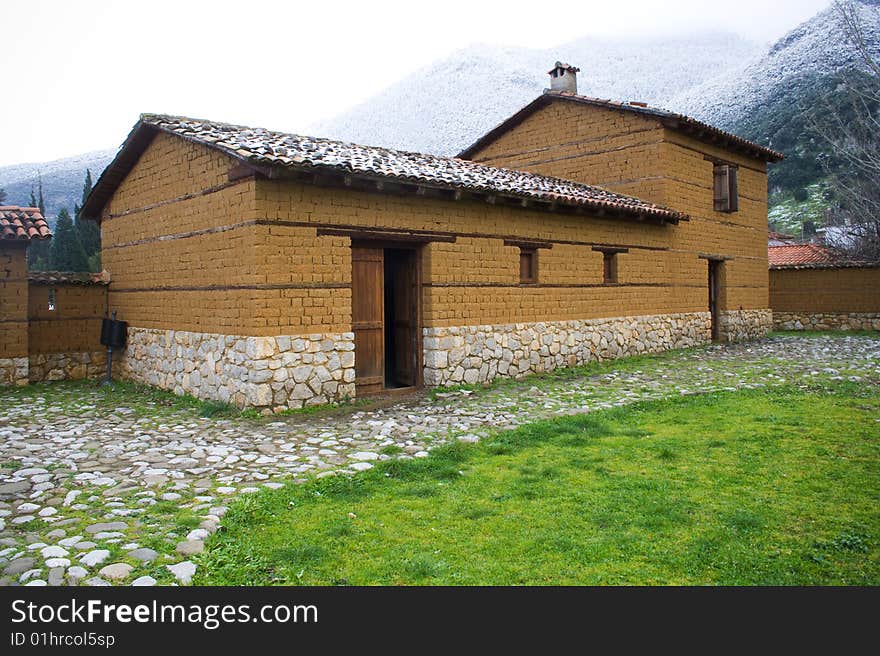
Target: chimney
{"x":563,"y":77}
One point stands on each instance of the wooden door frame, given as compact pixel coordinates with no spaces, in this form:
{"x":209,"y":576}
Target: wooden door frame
{"x":418,"y":252}
{"x":714,"y":284}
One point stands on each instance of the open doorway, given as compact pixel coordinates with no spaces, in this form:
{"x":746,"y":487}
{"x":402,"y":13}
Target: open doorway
{"x":714,"y":292}
{"x":385,"y":317}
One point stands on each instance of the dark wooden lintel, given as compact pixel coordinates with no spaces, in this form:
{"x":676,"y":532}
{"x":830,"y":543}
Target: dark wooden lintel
{"x":610,"y":249}
{"x":384,"y":235}
{"x":527,"y":243}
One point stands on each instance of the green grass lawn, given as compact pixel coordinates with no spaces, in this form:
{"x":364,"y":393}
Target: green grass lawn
{"x":773,"y":487}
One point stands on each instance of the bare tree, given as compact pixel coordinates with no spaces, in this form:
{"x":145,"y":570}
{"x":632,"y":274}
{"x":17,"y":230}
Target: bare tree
{"x":849,"y":124}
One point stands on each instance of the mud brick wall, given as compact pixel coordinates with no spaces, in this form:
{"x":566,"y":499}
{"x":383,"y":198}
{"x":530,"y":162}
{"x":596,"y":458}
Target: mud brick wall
{"x":635,"y":155}
{"x":806,"y":291}
{"x":174,"y":243}
{"x":75,"y":323}
{"x":13,"y":301}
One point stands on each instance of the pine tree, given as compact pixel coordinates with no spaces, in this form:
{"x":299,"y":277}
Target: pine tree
{"x":67,"y":253}
{"x":40,"y":202}
{"x":39,"y":251}
{"x":89,"y":232}
{"x":2,"y":196}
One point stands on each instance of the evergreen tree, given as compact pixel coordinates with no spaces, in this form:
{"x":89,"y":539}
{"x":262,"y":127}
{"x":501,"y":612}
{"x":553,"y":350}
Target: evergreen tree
{"x":40,"y":202}
{"x":39,"y":251}
{"x":2,"y":196}
{"x":67,"y":253}
{"x":89,"y":231}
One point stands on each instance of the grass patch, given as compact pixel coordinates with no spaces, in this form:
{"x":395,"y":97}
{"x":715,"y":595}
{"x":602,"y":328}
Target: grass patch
{"x":764,"y":487}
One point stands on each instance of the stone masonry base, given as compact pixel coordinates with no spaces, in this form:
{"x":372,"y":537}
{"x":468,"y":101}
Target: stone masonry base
{"x":13,"y":371}
{"x":738,"y":325}
{"x":66,"y":366}
{"x":826,"y":320}
{"x":477,"y":354}
{"x":264,"y":372}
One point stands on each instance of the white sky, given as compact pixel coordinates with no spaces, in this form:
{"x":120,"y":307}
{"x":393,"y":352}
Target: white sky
{"x":75,"y":75}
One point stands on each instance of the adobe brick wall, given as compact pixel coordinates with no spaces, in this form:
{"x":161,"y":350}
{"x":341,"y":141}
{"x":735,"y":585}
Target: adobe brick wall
{"x":824,"y":299}
{"x":64,"y":343}
{"x":635,"y":155}
{"x":169,"y":245}
{"x":13,"y":314}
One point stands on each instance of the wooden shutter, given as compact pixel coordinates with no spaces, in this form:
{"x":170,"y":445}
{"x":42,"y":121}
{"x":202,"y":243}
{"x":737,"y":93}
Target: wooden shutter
{"x":528,"y":265}
{"x":722,"y":188}
{"x":732,"y":191}
{"x":608,"y":266}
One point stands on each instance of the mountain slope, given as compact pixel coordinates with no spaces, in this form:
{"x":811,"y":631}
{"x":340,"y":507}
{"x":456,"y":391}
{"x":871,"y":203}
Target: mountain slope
{"x":448,"y":105}
{"x":62,"y":180}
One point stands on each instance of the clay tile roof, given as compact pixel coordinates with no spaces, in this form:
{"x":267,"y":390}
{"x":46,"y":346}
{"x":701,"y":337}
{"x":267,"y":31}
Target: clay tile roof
{"x":68,"y":278}
{"x":22,"y":224}
{"x":811,"y":256}
{"x":265,"y":148}
{"x":691,"y":126}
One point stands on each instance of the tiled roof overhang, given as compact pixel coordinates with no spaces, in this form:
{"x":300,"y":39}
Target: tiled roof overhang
{"x":685,"y":124}
{"x":22,"y":224}
{"x":811,"y":256}
{"x":323,"y":161}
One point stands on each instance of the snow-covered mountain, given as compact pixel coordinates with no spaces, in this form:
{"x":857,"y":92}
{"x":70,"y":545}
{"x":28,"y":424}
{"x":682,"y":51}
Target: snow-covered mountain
{"x":62,"y":179}
{"x":445,"y":106}
{"x":814,"y":49}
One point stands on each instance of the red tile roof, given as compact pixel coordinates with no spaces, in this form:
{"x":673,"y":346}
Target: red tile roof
{"x":22,"y":224}
{"x":68,"y":278}
{"x":275,"y":151}
{"x":810,"y":256}
{"x":691,"y":126}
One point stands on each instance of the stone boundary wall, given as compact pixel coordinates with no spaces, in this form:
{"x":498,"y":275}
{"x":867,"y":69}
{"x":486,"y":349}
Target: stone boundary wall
{"x":67,"y":366}
{"x":826,"y":320}
{"x":13,"y":371}
{"x":264,"y":372}
{"x":739,"y":325}
{"x":478,"y":354}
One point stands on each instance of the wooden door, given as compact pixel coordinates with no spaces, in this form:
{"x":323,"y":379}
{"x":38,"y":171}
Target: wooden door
{"x":713,"y":297}
{"x":405,"y":319}
{"x":367,"y":318}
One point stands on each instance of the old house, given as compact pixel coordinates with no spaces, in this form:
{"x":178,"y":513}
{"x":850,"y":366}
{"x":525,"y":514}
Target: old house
{"x":276,"y":270}
{"x":815,"y":287}
{"x":49,"y":321}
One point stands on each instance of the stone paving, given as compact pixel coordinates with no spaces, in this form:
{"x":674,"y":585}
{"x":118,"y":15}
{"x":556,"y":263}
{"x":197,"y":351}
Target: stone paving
{"x":98,"y":495}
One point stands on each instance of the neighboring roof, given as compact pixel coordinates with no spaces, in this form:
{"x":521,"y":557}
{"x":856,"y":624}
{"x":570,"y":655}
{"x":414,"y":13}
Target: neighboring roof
{"x":68,"y":278}
{"x":22,"y":224}
{"x":778,"y":239}
{"x":680,"y":122}
{"x":263,"y":148}
{"x":811,"y":256}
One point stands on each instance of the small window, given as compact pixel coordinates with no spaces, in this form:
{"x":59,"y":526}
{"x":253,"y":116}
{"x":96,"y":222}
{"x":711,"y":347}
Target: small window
{"x":726,"y":194}
{"x":528,"y":265}
{"x":609,"y":267}
{"x":51,"y":299}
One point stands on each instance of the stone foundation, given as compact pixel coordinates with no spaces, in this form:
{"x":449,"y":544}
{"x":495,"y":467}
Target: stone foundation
{"x":13,"y":371}
{"x":826,"y":321}
{"x":739,"y":325}
{"x":264,"y":372}
{"x":66,"y":366}
{"x":478,"y":354}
